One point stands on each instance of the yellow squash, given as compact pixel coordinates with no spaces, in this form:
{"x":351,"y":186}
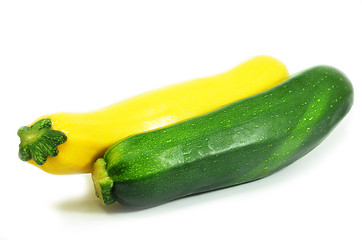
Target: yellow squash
{"x":68,"y":143}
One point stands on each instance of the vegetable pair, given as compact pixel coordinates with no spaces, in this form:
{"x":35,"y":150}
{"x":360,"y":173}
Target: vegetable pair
{"x":195,"y":137}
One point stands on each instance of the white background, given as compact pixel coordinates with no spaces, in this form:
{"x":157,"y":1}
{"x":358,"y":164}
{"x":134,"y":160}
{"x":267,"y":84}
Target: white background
{"x":82,"y":55}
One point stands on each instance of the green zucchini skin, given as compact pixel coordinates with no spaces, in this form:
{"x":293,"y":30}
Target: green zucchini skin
{"x":241,"y":142}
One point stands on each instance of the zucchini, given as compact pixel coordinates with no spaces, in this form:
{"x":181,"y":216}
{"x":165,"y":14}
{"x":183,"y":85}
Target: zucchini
{"x":244,"y":141}
{"x":69,"y":143}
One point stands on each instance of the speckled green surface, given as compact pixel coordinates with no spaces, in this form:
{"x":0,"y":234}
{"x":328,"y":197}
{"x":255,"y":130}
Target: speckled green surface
{"x":241,"y":142}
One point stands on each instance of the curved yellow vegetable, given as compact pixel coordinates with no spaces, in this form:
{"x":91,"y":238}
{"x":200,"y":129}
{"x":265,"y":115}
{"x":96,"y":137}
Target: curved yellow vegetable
{"x":83,"y":137}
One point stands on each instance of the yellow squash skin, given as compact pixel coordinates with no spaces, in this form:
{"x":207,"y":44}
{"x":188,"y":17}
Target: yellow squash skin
{"x":90,"y":134}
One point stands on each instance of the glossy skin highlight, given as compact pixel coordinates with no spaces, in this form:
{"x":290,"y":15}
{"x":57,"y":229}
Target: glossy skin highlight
{"x":90,"y":134}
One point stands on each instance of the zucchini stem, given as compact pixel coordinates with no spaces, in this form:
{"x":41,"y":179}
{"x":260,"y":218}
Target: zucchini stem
{"x":103,"y":184}
{"x":38,"y":141}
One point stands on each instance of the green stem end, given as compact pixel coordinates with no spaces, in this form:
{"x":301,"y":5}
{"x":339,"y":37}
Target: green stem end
{"x":103,"y":184}
{"x":38,"y":141}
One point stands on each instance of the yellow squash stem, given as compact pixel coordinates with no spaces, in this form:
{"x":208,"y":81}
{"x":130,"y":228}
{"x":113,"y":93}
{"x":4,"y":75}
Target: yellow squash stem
{"x":88,"y":135}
